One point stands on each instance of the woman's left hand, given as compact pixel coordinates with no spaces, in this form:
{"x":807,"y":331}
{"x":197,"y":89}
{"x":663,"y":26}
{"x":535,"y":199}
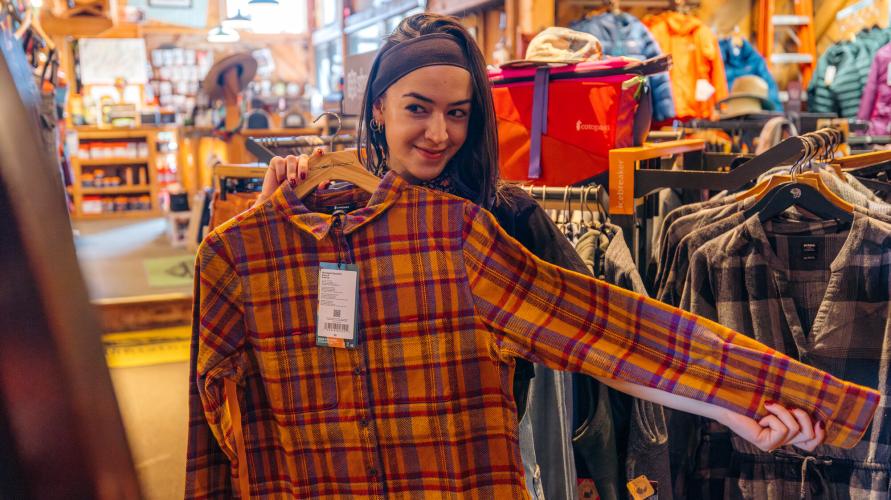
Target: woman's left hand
{"x":780,"y":428}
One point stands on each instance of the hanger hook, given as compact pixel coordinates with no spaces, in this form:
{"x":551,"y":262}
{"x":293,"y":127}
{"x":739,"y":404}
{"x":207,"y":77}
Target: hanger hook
{"x":566,"y":190}
{"x":336,"y":132}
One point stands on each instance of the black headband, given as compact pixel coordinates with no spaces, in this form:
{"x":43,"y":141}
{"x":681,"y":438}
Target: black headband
{"x":426,"y":50}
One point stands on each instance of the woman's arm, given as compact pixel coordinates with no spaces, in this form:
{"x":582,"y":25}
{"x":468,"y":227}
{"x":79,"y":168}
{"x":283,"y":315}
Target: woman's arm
{"x":781,"y":428}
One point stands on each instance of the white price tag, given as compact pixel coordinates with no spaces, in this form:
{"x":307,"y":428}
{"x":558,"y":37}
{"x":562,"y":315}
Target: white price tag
{"x":829,"y":76}
{"x":338,"y":310}
{"x":704,"y":90}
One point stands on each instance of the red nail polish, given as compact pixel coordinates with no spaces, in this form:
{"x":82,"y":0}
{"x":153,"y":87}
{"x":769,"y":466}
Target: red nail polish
{"x":292,"y":182}
{"x":302,"y":176}
{"x":769,"y":402}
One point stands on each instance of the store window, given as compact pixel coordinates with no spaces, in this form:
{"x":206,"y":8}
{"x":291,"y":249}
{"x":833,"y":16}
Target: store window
{"x":329,"y":66}
{"x":289,"y":16}
{"x":327,"y":12}
{"x":371,"y":37}
{"x":365,"y":39}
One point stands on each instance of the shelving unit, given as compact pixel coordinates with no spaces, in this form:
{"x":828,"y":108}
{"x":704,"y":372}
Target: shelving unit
{"x":131,"y":158}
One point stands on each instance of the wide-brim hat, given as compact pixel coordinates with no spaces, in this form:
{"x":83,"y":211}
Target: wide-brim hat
{"x":749,"y":95}
{"x":247,"y":69}
{"x":556,"y":46}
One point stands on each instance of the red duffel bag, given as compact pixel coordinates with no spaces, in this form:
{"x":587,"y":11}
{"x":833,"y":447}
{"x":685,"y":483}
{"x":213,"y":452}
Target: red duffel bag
{"x":556,"y":125}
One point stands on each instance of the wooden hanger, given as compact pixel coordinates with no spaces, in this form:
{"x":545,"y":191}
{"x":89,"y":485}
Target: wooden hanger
{"x":337,"y":166}
{"x":811,"y":149}
{"x":863,"y":159}
{"x":805,"y":190}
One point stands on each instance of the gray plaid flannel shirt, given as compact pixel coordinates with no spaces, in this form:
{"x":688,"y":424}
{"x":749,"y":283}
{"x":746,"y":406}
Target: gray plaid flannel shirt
{"x":820,"y":296}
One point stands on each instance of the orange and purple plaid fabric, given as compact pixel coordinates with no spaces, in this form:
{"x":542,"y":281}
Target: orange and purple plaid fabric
{"x":423,"y":406}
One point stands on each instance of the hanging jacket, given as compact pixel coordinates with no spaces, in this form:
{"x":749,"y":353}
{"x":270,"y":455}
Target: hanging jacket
{"x":745,"y":60}
{"x":851,"y":60}
{"x":839,"y":93}
{"x":625,"y":35}
{"x":875,"y":105}
{"x":696,"y":56}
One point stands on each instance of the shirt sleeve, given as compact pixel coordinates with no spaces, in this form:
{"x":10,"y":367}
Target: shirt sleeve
{"x":569,"y":321}
{"x":217,"y":338}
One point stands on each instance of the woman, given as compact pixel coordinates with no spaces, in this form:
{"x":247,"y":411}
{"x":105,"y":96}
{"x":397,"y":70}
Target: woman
{"x":433,"y":123}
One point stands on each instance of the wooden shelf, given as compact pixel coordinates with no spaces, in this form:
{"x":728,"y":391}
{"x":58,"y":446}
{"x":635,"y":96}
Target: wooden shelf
{"x":101,"y":162}
{"x":145,"y":188}
{"x":124,"y":214}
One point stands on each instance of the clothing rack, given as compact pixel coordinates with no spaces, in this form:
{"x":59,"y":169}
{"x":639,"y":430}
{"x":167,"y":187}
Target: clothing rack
{"x":631,"y":181}
{"x":265,"y":148}
{"x":742,"y":131}
{"x":222,"y":172}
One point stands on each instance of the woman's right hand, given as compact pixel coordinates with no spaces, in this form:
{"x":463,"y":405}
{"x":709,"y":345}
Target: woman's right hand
{"x":293,"y":169}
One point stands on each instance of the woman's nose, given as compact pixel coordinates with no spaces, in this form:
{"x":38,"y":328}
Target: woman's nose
{"x":436,"y":129}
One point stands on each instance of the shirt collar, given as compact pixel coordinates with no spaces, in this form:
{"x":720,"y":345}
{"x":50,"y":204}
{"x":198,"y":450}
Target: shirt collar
{"x":286,"y":202}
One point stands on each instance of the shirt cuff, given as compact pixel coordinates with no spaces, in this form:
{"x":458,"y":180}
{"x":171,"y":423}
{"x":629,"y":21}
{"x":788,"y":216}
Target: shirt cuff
{"x":852,"y":416}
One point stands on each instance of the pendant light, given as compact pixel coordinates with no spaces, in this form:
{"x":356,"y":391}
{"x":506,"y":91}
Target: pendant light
{"x":221,"y":34}
{"x":237,"y":22}
{"x":262,"y":6}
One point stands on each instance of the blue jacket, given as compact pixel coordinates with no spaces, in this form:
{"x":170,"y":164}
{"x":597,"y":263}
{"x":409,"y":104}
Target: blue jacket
{"x":625,"y":35}
{"x":745,"y":60}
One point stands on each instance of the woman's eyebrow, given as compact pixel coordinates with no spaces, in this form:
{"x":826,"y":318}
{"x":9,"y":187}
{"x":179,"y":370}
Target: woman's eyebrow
{"x":431,"y":101}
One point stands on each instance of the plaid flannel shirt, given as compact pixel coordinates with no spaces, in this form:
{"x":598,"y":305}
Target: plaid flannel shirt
{"x":423,"y":406}
{"x":822,"y":297}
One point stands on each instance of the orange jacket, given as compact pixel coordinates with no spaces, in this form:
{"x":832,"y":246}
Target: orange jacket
{"x":696,"y":56}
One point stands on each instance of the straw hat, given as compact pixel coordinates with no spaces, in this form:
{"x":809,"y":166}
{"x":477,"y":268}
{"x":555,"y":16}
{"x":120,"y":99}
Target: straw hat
{"x":558,"y":46}
{"x":247,"y":68}
{"x":749,"y":95}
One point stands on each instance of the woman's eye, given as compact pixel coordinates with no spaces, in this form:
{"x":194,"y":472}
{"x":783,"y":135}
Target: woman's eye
{"x":458,"y":113}
{"x":414,"y":108}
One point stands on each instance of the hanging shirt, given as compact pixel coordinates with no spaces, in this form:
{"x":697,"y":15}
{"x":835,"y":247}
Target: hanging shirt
{"x":447,"y":301}
{"x":821,"y":296}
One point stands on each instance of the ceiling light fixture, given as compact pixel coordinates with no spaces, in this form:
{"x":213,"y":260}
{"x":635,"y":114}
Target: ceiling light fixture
{"x":221,"y":34}
{"x":237,"y":22}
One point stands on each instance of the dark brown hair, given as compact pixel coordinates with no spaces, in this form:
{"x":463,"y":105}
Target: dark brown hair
{"x":476,"y":163}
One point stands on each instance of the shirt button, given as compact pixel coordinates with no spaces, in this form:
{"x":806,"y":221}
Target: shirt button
{"x":363,"y":422}
{"x":358,"y":370}
{"x":372,"y":472}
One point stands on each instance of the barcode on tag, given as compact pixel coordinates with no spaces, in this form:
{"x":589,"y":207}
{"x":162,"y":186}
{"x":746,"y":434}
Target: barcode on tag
{"x":337,"y":311}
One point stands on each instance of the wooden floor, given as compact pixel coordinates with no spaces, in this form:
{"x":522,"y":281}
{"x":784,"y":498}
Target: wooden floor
{"x":153,"y":397}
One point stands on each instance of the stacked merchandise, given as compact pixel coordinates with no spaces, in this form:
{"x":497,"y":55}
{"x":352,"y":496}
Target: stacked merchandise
{"x":624,"y":35}
{"x":697,"y":74}
{"x":814,"y":287}
{"x":843,"y":71}
{"x":742,"y":59}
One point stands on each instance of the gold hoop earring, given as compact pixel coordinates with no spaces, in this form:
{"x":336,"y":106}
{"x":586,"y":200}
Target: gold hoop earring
{"x":376,"y":126}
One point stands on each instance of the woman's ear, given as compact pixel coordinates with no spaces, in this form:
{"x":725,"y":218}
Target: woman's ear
{"x":377,"y":110}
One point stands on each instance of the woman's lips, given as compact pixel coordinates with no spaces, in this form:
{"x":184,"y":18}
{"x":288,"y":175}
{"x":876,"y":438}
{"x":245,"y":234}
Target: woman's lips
{"x":431,"y":154}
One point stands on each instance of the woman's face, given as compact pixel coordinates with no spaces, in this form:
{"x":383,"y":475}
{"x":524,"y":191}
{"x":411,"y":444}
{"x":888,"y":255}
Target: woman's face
{"x":425,"y":115}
